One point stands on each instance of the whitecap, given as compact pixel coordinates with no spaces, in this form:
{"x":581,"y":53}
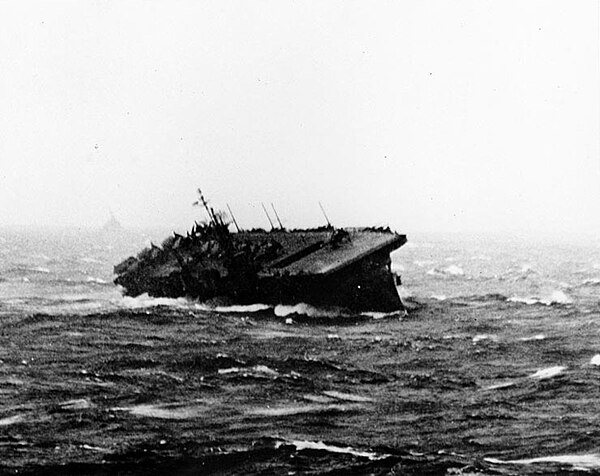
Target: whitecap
{"x":480,"y":337}
{"x":317,"y":398}
{"x":524,"y":300}
{"x":500,"y":385}
{"x":586,"y":461}
{"x":319,"y":445}
{"x":433,"y":272}
{"x":526,"y":269}
{"x":558,"y":297}
{"x":91,"y":260}
{"x":91,"y":279}
{"x":39,"y":269}
{"x":535,"y":337}
{"x":439,"y":297}
{"x":231,"y":370}
{"x":288,"y":410}
{"x":346,"y":396}
{"x":95,"y":448}
{"x":243,"y":308}
{"x":454,"y":270}
{"x":77,"y":404}
{"x":11,"y":420}
{"x":595,"y":360}
{"x":383,"y":315}
{"x":591,"y":282}
{"x":257,"y":370}
{"x":168,"y":411}
{"x":548,"y":372}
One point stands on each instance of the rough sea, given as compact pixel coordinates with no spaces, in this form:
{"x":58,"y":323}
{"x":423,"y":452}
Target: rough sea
{"x":495,"y":370}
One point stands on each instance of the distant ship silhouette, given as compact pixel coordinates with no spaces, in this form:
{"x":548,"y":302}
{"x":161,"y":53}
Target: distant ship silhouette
{"x":112,"y":226}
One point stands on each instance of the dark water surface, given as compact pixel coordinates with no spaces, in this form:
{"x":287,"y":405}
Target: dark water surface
{"x":496,"y":370}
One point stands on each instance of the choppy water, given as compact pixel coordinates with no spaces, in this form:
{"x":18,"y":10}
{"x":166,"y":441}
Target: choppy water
{"x":504,"y":340}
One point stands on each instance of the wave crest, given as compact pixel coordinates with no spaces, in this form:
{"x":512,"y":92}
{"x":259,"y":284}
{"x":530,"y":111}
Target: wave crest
{"x":557,"y":297}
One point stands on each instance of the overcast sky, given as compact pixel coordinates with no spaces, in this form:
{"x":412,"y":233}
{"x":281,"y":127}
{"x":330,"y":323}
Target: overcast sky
{"x":424,"y":115}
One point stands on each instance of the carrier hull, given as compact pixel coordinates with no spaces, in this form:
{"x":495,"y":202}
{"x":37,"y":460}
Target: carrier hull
{"x":347,"y":268}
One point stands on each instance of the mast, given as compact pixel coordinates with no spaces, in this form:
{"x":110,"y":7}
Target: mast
{"x":277,"y":216}
{"x":233,"y":218}
{"x":325,"y":215}
{"x":268,"y":217}
{"x":209,"y":210}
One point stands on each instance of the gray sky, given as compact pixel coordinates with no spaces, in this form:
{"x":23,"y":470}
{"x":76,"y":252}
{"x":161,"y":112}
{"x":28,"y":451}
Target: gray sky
{"x":425,"y":115}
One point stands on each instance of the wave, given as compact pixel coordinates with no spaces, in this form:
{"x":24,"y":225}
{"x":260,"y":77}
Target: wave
{"x":548,"y":372}
{"x":532,"y":338}
{"x":320,"y":446}
{"x":21,"y":270}
{"x":480,"y":337}
{"x":591,"y":282}
{"x":91,"y":260}
{"x":586,"y":461}
{"x":246,"y":308}
{"x":526,"y":269}
{"x":471,"y":298}
{"x":452,"y":270}
{"x":556,"y":298}
{"x":91,"y":279}
{"x":383,"y":315}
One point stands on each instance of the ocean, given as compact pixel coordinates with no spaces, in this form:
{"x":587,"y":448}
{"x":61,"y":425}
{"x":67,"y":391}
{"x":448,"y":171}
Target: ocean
{"x":495,"y":369}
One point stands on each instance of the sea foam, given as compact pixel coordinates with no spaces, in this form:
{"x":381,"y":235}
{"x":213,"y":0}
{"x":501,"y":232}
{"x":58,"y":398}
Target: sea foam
{"x":586,"y":461}
{"x":144,"y":301}
{"x":283,"y":310}
{"x":548,"y":372}
{"x":557,"y":297}
{"x":454,"y":270}
{"x":319,"y":445}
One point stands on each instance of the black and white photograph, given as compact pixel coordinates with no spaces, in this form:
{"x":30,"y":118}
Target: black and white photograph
{"x":299,"y":237}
